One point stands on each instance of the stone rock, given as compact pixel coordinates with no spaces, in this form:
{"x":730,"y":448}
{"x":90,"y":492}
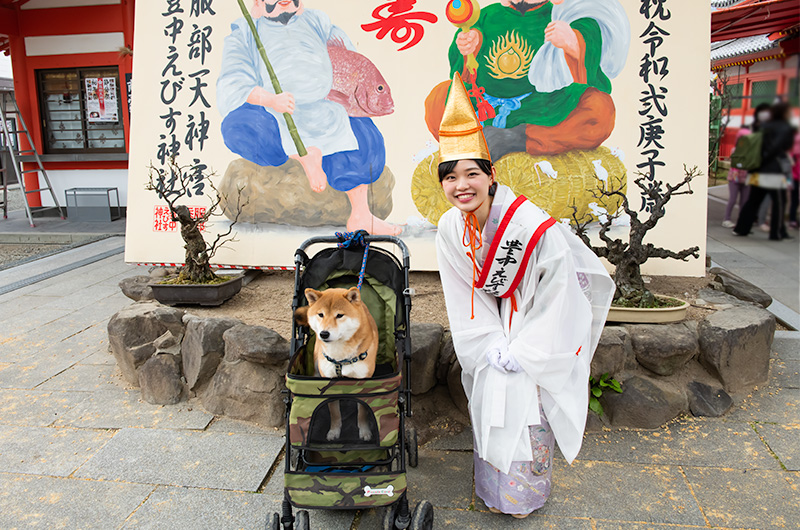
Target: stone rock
{"x":644,"y":403}
{"x":456,"y":389}
{"x":735,"y":346}
{"x":740,"y":288}
{"x":132,"y":331}
{"x":426,"y":341}
{"x":203,"y":348}
{"x":707,"y":401}
{"x":137,"y":288}
{"x":255,"y":344}
{"x":717,"y":299}
{"x":663,"y":348}
{"x":159,"y":272}
{"x":247,"y":391}
{"x":447,"y":355}
{"x":283,"y":195}
{"x":160,"y":380}
{"x":612,"y":350}
{"x":168,"y":343}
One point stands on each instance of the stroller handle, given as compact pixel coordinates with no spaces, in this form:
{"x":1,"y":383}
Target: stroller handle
{"x":298,"y":257}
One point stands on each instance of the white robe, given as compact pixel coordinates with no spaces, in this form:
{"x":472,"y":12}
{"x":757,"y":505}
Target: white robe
{"x":552,"y":335}
{"x":549,"y":70}
{"x":298,"y":54}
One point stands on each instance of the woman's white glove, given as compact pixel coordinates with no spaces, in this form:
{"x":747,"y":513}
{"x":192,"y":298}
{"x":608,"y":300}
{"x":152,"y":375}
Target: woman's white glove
{"x":501,"y":359}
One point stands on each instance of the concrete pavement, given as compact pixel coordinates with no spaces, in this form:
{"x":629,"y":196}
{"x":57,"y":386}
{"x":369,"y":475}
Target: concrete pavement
{"x":80,"y":449}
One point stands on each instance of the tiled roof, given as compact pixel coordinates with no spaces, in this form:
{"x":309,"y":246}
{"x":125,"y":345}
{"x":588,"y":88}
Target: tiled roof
{"x":722,"y":4}
{"x":742,"y":46}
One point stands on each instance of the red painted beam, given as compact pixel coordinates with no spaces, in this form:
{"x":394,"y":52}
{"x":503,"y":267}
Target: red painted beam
{"x":70,"y":20}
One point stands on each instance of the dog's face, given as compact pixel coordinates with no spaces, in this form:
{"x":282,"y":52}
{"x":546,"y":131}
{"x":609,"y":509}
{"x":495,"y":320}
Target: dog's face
{"x":332,"y":313}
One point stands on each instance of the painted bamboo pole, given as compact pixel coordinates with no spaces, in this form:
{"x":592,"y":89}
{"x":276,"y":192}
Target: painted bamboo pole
{"x":301,"y":149}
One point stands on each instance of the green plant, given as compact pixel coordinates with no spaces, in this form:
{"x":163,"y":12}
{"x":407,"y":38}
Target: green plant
{"x":596,"y":387}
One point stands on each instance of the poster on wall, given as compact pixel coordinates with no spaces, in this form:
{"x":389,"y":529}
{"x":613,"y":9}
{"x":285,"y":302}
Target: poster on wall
{"x":101,"y":99}
{"x":334,"y":127}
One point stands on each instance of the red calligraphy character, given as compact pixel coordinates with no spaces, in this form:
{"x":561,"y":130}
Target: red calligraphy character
{"x":397,"y":17}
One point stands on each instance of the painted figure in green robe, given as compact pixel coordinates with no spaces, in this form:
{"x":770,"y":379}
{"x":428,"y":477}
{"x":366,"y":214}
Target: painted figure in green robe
{"x":545,"y":67}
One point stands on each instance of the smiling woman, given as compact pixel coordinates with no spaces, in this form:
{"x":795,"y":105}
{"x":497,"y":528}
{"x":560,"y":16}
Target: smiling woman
{"x":537,"y":300}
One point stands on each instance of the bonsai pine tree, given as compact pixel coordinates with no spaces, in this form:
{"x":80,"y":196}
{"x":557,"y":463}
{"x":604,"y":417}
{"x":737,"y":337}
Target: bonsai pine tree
{"x":628,"y":256}
{"x":174,"y":183}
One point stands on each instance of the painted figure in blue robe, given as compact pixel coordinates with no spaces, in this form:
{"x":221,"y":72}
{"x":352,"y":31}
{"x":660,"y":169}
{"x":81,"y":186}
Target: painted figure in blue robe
{"x":330,"y":90}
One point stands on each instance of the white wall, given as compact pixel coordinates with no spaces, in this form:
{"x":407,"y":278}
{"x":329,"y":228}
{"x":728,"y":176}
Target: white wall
{"x":62,"y":180}
{"x":5,"y":67}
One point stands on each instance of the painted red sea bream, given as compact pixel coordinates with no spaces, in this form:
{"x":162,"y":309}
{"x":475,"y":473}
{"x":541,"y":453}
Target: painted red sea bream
{"x":357,"y":84}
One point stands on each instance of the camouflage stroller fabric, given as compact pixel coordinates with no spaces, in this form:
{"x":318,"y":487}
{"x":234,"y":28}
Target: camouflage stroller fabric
{"x":349,"y":473}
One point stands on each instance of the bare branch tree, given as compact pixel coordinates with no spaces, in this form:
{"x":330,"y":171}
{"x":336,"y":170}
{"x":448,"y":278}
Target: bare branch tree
{"x":176,"y":182}
{"x":628,"y":256}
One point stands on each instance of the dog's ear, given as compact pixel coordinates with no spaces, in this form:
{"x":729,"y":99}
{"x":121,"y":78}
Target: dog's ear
{"x":312,"y":295}
{"x":301,"y":315}
{"x":353,"y":295}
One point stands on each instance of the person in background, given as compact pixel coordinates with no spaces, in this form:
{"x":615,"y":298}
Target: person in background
{"x":794,"y":192}
{"x":771,"y":178}
{"x":737,"y":187}
{"x":761,"y":115}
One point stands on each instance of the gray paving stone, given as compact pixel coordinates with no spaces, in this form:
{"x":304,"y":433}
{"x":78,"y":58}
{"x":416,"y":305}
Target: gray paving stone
{"x":623,"y":492}
{"x":18,"y":324}
{"x":690,"y":441}
{"x":46,"y":450}
{"x":228,"y":425}
{"x":785,"y":374}
{"x":733,"y":498}
{"x":48,"y":502}
{"x":442,"y":477}
{"x":468,"y":519}
{"x":460,"y":442}
{"x":35,"y":407}
{"x":32,"y":372}
{"x":102,"y":356}
{"x":783,"y":440}
{"x":194,"y":508}
{"x":184,"y":458}
{"x":770,"y":405}
{"x":88,"y":296}
{"x":123,"y":408}
{"x":620,"y":525}
{"x":26,"y":303}
{"x":87,"y":378}
{"x":786,"y":345}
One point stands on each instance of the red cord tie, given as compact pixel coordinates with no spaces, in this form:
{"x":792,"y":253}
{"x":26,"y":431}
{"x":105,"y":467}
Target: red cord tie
{"x":473,"y":239}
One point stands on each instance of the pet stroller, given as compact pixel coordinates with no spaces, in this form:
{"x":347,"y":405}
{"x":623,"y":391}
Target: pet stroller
{"x":349,"y":473}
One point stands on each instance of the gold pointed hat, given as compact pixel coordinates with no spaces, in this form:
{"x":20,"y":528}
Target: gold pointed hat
{"x":461,"y":134}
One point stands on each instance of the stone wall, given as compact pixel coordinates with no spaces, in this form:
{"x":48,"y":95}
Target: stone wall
{"x":665,"y":370}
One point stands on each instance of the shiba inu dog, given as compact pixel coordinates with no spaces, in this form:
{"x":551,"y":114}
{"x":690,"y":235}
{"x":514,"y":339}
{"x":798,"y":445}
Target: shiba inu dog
{"x":346,"y":344}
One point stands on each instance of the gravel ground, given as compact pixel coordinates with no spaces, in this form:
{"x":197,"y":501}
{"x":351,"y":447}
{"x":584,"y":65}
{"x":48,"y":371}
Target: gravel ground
{"x":13,"y":254}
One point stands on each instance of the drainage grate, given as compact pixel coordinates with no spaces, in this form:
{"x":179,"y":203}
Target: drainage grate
{"x":61,"y":270}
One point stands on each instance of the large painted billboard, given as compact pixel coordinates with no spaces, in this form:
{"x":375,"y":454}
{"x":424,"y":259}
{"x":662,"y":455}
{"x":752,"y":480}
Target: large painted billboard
{"x":312,"y":117}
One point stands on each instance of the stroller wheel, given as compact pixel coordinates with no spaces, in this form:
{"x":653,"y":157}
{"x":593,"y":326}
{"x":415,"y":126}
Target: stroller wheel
{"x":422,"y":519}
{"x":411,"y":447}
{"x":274,"y":522}
{"x":301,"y":521}
{"x":389,"y":516}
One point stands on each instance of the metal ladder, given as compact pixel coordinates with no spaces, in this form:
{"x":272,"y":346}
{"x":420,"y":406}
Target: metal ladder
{"x":19,"y":156}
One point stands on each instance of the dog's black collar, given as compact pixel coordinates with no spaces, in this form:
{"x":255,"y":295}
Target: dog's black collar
{"x":339,"y":364}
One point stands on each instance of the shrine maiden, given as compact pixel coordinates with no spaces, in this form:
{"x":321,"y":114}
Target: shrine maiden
{"x":527,"y":301}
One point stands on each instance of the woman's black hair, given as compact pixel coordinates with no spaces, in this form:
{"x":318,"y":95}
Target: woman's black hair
{"x":447,"y":167}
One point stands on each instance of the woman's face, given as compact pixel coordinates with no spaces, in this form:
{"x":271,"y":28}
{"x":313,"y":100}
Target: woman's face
{"x":467,"y":186}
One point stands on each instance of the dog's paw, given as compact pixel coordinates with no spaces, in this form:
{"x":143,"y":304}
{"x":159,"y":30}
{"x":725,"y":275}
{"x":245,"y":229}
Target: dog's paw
{"x":364,"y":433}
{"x":334,"y":434}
